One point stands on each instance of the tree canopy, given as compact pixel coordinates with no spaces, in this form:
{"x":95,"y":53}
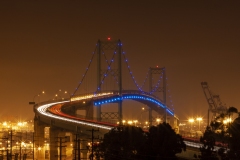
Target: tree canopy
{"x":130,"y":142}
{"x":225,"y":131}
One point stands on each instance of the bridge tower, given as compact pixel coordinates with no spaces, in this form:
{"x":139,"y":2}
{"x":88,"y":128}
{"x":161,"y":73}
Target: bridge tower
{"x":117,"y":73}
{"x":160,"y":88}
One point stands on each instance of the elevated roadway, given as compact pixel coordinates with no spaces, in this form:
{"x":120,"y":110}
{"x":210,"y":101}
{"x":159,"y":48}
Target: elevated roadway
{"x":61,"y":117}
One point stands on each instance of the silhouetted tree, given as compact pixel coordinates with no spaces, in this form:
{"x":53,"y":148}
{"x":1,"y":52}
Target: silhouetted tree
{"x":207,"y":150}
{"x":227,"y":134}
{"x":163,"y":143}
{"x":129,"y":142}
{"x":123,"y":142}
{"x":234,"y":139}
{"x":218,"y":122}
{"x":232,"y":110}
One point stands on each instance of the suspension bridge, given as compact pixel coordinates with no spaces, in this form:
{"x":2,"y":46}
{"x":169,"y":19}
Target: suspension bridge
{"x":106,"y":82}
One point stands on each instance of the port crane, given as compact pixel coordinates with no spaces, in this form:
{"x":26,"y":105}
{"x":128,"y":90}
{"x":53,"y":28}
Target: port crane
{"x":216,"y":106}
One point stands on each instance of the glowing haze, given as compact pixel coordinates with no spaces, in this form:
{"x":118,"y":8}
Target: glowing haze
{"x":47,"y":45}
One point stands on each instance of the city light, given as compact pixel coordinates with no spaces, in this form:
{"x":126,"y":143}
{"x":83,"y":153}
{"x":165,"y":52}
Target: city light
{"x":226,"y":121}
{"x":158,"y":120}
{"x":130,"y":122}
{"x":191,"y":120}
{"x":199,"y":119}
{"x":16,"y":139}
{"x":135,"y":122}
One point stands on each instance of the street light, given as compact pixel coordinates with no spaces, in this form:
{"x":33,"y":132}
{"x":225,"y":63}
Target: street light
{"x":60,"y":94}
{"x":199,"y":119}
{"x":39,"y":149}
{"x":37,"y":95}
{"x":158,"y":120}
{"x":143,"y":110}
{"x":130,"y":122}
{"x":135,"y":121}
{"x":65,"y":92}
{"x":227,"y":121}
{"x":191,"y":120}
{"x":146,"y":124}
{"x":57,"y":94}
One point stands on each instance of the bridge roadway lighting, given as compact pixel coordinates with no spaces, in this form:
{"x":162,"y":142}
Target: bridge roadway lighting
{"x":191,"y":120}
{"x":37,"y":95}
{"x":60,"y":95}
{"x":56,"y":95}
{"x":199,"y":119}
{"x":65,"y":92}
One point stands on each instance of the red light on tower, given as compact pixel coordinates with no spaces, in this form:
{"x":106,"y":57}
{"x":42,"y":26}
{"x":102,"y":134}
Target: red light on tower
{"x":157,"y":66}
{"x":109,"y":38}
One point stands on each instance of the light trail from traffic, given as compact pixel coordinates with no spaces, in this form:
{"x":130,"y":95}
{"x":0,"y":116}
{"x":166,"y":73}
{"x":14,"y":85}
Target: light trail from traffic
{"x":53,"y":109}
{"x":43,"y":110}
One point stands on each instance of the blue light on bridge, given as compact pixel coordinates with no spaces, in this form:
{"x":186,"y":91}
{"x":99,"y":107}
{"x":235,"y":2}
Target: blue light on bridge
{"x":170,"y":112}
{"x":130,"y":96}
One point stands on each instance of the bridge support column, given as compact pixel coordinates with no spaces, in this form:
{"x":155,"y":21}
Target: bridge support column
{"x":80,"y":147}
{"x":150,"y":116}
{"x":53,"y":136}
{"x":165,"y":116}
{"x":174,"y":122}
{"x":69,"y":146}
{"x":62,"y":144}
{"x":99,"y":113}
{"x":39,"y":138}
{"x":76,"y":147}
{"x":84,"y":150}
{"x":119,"y":52}
{"x":89,"y":112}
{"x":99,"y":75}
{"x":120,"y":112}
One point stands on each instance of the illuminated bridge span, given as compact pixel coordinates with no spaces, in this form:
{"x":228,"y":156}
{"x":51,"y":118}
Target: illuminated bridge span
{"x":61,"y":117}
{"x":55,"y":110}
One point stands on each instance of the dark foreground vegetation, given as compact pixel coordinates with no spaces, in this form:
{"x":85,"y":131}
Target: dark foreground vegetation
{"x":162,"y":143}
{"x":225,"y":134}
{"x":132,"y":143}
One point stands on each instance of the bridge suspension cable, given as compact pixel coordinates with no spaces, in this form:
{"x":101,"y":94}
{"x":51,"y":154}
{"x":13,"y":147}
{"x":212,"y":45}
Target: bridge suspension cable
{"x":86,"y":71}
{"x":145,"y":80}
{"x":140,"y":88}
{"x":108,"y":69}
{"x":112,"y":73}
{"x":157,"y":85}
{"x":131,"y":74}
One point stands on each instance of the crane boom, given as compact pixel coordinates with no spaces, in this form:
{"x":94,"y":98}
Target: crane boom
{"x":214,"y":102}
